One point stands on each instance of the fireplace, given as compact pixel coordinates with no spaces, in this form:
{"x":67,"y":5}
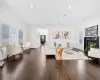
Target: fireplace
{"x":90,"y":42}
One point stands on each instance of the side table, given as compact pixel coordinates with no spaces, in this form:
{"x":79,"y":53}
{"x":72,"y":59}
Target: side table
{"x":59,"y":53}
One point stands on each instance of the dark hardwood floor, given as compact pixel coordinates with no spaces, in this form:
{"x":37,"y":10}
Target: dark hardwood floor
{"x":35,"y":66}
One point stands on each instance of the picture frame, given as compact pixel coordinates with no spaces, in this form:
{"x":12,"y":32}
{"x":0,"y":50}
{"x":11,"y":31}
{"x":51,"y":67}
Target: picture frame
{"x":57,"y":35}
{"x":91,"y":31}
{"x":66,"y":34}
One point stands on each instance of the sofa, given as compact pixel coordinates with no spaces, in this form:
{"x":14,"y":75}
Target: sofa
{"x":94,"y":53}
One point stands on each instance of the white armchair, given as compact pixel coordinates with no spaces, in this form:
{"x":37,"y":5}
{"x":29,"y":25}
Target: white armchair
{"x":13,"y":50}
{"x":26,"y":45}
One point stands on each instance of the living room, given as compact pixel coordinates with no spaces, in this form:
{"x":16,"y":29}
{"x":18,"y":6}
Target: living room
{"x":49,"y":40}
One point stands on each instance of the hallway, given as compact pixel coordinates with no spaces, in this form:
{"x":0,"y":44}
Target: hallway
{"x":35,"y":66}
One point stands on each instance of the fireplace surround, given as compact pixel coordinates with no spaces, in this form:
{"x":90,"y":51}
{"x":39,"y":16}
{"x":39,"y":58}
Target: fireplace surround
{"x":90,"y":42}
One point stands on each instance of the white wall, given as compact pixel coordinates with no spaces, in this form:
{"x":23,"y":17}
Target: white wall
{"x":51,"y":41}
{"x":0,"y":35}
{"x":35,"y":42}
{"x":81,"y":27}
{"x":43,"y":31}
{"x":29,"y":32}
{"x":33,"y":36}
{"x":6,"y":17}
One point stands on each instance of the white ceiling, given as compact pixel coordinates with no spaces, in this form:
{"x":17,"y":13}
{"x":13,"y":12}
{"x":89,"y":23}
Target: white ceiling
{"x":51,"y":12}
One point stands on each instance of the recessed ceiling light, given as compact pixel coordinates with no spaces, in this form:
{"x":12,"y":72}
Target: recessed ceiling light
{"x":69,"y":7}
{"x":31,"y":6}
{"x":64,"y":15}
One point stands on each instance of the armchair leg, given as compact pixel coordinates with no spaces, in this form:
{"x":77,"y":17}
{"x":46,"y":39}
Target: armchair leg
{"x":7,"y":57}
{"x":21,"y":55}
{"x":88,"y":59}
{"x":13,"y":57}
{"x":28,"y":50}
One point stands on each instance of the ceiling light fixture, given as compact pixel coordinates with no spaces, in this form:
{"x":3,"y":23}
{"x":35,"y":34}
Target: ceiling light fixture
{"x":31,"y":6}
{"x":64,"y":15}
{"x":69,"y":7}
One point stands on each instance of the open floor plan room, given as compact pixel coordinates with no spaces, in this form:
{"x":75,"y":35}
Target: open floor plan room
{"x":49,"y":39}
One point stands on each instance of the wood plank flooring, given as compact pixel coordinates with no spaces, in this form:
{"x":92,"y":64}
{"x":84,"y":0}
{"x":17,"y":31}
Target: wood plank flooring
{"x":35,"y":66}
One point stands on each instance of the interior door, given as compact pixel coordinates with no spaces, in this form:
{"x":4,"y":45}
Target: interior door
{"x":43,"y":39}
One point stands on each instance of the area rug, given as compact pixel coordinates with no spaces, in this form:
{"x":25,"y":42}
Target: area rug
{"x":74,"y":56}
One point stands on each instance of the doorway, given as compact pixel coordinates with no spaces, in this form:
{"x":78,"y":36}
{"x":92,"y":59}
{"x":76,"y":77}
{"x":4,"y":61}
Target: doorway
{"x":42,"y":39}
{"x":43,"y":36}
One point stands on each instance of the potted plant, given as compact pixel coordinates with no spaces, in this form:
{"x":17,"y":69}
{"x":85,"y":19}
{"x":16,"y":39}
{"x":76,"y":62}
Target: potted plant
{"x":68,"y":45}
{"x":92,"y":45}
{"x":59,"y":45}
{"x":55,"y":44}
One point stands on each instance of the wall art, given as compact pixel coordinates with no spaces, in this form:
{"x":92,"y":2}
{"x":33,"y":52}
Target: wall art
{"x":66,"y":34}
{"x":57,"y":35}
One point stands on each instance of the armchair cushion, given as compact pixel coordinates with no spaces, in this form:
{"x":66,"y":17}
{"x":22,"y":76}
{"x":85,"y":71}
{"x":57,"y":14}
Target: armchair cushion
{"x":26,"y":45}
{"x":13,"y":50}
